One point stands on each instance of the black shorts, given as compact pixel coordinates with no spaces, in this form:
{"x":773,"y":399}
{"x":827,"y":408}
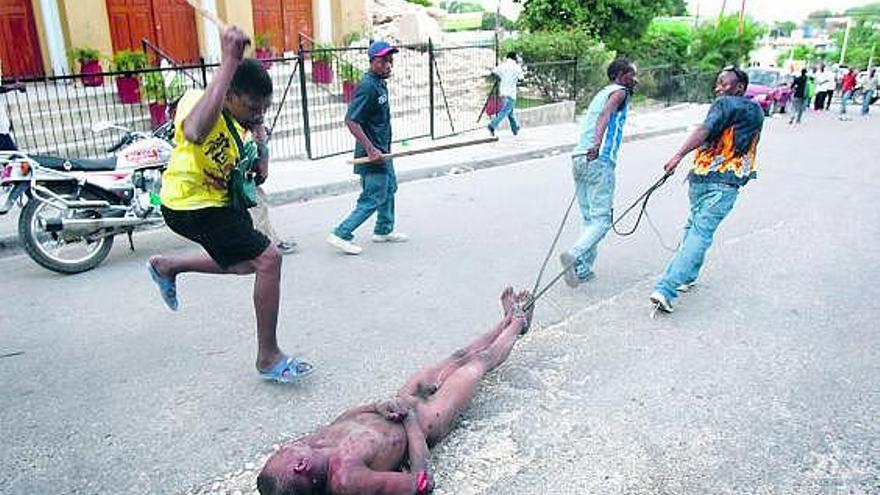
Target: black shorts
{"x":227,"y":235}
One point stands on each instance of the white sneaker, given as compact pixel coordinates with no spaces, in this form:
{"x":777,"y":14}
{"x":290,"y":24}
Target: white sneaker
{"x":661,"y":301}
{"x":686,"y":287}
{"x":341,"y":244}
{"x":567,"y":261}
{"x":392,"y":237}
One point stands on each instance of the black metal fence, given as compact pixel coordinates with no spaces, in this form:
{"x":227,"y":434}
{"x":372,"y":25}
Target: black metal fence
{"x":435,"y":92}
{"x":55,"y":115}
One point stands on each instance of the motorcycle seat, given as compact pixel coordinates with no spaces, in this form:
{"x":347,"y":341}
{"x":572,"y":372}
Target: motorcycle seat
{"x":76,"y":164}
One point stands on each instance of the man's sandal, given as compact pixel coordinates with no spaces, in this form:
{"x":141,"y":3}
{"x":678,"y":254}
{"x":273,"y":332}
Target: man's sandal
{"x":167,"y":287}
{"x":287,"y":370}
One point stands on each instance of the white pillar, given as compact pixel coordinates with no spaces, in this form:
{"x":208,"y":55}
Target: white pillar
{"x":845,"y":40}
{"x":325,"y":22}
{"x":54,"y":37}
{"x":213,"y":52}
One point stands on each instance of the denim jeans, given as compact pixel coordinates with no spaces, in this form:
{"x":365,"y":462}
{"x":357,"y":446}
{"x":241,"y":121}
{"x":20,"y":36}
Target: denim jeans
{"x":867,"y":96}
{"x":798,"y":105}
{"x":710,"y":203}
{"x":594,"y":185}
{"x":506,"y":112}
{"x":844,"y":99}
{"x":377,"y":196}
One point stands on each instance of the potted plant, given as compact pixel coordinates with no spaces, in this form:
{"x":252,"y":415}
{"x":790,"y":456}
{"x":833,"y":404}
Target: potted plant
{"x":351,"y":76}
{"x":158,"y":94}
{"x":129,"y":85}
{"x":154,"y":92}
{"x":89,"y":65}
{"x":352,"y":38}
{"x":322,"y":64}
{"x":263,"y":49}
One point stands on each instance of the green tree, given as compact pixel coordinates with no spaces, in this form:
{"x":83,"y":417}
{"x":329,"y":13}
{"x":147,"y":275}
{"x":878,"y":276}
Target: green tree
{"x":863,"y":39}
{"x":675,"y":8}
{"x":542,"y":53}
{"x":615,"y":22}
{"x":489,"y":21}
{"x":868,"y":12}
{"x":817,"y":18}
{"x":783,"y":29}
{"x":718,"y":44}
{"x":799,"y":52}
{"x":461,"y":7}
{"x":665,"y":43}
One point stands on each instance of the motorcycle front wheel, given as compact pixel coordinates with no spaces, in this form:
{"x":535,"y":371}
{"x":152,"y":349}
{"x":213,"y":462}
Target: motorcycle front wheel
{"x":56,"y":251}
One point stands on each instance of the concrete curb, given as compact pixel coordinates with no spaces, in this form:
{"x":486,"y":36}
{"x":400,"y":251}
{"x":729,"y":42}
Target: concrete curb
{"x":9,"y":244}
{"x":342,"y":187}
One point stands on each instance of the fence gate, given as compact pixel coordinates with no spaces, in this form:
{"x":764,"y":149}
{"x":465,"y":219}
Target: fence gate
{"x":434,"y":92}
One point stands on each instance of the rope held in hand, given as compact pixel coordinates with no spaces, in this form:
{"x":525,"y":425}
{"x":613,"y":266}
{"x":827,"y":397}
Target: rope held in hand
{"x":643,"y":199}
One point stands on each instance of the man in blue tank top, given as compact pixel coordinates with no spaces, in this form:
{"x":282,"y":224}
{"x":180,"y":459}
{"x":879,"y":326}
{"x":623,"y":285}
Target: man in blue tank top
{"x":594,"y":160}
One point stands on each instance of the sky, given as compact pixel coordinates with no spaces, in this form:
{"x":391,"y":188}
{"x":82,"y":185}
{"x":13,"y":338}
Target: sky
{"x":774,"y":10}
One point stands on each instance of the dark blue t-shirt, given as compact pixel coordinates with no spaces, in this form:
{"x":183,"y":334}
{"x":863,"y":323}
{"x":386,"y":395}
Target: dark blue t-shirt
{"x":371,"y":109}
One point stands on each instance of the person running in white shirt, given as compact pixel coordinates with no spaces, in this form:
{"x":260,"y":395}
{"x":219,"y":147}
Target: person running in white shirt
{"x":509,"y":73}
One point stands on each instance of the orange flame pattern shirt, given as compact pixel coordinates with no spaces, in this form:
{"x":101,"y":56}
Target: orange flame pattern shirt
{"x":728,"y":156}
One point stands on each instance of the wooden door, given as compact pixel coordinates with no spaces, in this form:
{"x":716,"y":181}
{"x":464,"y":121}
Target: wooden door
{"x":130,"y":21}
{"x":297,"y":19}
{"x":283,"y":20}
{"x":269,"y":21}
{"x":19,"y":44}
{"x":175,"y":23}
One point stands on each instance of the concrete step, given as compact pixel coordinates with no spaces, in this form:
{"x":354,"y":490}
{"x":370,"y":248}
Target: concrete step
{"x":86,"y":144}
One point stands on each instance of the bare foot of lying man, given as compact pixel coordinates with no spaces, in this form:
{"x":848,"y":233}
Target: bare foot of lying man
{"x":364,"y":449}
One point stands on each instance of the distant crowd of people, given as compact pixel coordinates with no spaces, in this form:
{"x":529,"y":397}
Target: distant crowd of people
{"x":818,"y":86}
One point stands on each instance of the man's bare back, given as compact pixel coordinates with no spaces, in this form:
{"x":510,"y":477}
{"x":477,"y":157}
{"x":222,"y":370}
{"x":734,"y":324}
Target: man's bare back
{"x":365,"y":449}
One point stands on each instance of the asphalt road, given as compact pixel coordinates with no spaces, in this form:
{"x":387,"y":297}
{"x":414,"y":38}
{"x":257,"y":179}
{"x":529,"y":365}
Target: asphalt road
{"x":763,"y":381}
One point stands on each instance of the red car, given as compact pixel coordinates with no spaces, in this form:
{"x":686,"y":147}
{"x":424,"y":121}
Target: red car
{"x":769,"y":88}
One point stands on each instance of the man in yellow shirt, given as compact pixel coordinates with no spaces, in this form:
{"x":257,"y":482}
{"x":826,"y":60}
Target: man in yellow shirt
{"x":209,"y":129}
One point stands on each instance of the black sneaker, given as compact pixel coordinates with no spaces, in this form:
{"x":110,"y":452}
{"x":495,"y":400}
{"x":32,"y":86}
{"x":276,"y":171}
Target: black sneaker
{"x":491,"y":130}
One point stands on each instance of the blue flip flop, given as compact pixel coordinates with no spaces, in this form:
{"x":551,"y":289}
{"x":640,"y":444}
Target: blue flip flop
{"x":167,"y":288}
{"x":287,"y":370}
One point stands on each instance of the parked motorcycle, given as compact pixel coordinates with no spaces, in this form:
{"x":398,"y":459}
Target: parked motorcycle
{"x":75,"y":207}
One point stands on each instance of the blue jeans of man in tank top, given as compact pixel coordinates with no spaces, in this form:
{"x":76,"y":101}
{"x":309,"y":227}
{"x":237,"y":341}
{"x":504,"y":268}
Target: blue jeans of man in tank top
{"x":594,"y":186}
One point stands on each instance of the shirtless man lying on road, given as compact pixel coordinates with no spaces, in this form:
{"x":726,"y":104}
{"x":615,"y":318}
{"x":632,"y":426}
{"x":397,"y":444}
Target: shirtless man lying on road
{"x":366,"y":450}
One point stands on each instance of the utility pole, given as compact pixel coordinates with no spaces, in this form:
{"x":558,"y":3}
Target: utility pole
{"x":845,"y":41}
{"x":871,"y":58}
{"x":723,"y":8}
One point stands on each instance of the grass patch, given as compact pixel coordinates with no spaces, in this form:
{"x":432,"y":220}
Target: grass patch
{"x":462,"y":24}
{"x":523,"y":103}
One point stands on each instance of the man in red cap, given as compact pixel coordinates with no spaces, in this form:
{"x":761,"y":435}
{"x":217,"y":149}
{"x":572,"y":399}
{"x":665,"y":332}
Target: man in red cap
{"x":369,"y":121}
